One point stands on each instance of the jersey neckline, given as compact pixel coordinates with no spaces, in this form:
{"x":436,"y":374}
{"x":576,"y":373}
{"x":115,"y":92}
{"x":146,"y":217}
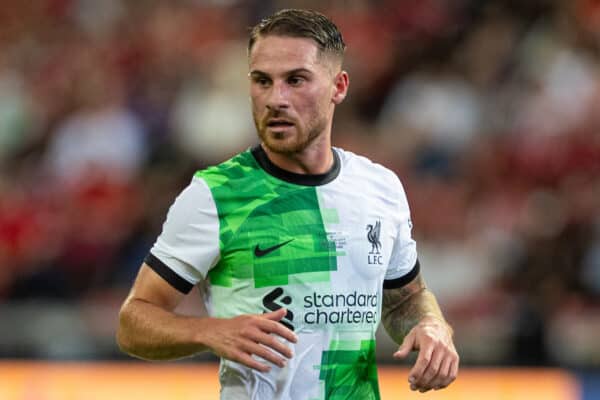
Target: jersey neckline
{"x":299,"y":179}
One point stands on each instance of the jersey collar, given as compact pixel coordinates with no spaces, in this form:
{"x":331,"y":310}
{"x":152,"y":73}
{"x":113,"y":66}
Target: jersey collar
{"x":299,"y":179}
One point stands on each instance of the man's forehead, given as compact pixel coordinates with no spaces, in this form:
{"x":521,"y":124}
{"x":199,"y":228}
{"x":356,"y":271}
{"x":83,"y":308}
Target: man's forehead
{"x":283,"y":52}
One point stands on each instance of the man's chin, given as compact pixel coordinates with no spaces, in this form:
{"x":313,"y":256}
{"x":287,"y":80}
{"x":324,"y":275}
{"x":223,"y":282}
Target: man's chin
{"x":278,"y":142}
{"x":281,"y":146}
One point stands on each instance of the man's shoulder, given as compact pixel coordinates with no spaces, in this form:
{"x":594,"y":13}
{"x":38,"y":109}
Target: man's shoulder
{"x":362,"y":165}
{"x":240,"y":166}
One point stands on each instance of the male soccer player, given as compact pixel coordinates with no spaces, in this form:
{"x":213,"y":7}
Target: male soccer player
{"x":304,"y":248}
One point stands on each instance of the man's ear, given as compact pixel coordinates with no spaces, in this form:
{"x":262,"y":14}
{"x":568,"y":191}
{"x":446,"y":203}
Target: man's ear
{"x":341,"y":82}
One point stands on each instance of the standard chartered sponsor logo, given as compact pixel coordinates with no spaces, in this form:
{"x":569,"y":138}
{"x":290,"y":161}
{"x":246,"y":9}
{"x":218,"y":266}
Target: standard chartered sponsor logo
{"x":340,"y":308}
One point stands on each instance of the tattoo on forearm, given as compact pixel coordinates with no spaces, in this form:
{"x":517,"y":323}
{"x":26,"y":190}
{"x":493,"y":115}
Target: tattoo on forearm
{"x":404,"y":307}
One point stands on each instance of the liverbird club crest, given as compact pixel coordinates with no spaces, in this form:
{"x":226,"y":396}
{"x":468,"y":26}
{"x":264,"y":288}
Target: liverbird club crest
{"x":373,"y":232}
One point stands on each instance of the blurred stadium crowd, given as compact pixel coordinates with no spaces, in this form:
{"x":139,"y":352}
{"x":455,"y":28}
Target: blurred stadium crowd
{"x":489,"y":111}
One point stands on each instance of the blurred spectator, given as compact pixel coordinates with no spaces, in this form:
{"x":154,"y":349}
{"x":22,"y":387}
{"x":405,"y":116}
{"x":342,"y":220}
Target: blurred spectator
{"x":211,"y":116}
{"x":101,"y":138}
{"x":16,"y":114}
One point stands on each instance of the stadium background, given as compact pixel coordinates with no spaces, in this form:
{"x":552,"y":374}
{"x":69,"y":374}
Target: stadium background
{"x":489,"y":111}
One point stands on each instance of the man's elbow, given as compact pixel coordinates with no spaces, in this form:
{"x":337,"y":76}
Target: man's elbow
{"x":123,"y":336}
{"x":123,"y":343}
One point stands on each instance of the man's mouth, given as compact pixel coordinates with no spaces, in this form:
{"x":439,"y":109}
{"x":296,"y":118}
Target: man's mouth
{"x":279,"y":123}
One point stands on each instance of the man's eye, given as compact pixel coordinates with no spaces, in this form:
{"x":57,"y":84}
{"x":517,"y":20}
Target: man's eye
{"x":262,"y":81}
{"x":295,"y":80}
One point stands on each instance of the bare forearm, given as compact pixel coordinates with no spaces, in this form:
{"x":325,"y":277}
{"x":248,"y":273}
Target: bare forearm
{"x":405,"y":307}
{"x":150,"y":332}
{"x":412,"y":317}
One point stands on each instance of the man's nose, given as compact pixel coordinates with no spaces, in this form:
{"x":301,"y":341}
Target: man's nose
{"x":278,"y":97}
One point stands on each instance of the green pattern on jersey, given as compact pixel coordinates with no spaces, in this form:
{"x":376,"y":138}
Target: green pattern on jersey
{"x":256,"y":209}
{"x":350,"y":373}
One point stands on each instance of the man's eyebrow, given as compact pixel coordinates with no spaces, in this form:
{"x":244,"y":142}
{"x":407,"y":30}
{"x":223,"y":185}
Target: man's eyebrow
{"x":259,"y":73}
{"x":299,"y":71}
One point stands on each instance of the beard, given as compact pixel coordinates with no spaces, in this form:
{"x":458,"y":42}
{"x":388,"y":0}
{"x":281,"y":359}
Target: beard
{"x":289,"y":142}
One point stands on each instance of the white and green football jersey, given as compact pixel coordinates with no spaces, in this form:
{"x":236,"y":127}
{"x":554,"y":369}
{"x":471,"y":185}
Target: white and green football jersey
{"x":322,"y":246}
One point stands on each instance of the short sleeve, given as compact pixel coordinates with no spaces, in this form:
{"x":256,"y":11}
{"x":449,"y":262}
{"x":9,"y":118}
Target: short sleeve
{"x":188,"y":246}
{"x":403,"y":265}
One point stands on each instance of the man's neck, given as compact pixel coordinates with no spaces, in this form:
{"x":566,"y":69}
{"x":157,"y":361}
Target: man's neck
{"x":316,"y":159}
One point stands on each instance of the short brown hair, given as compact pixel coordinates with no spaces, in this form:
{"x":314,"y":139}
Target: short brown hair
{"x":303,"y":24}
